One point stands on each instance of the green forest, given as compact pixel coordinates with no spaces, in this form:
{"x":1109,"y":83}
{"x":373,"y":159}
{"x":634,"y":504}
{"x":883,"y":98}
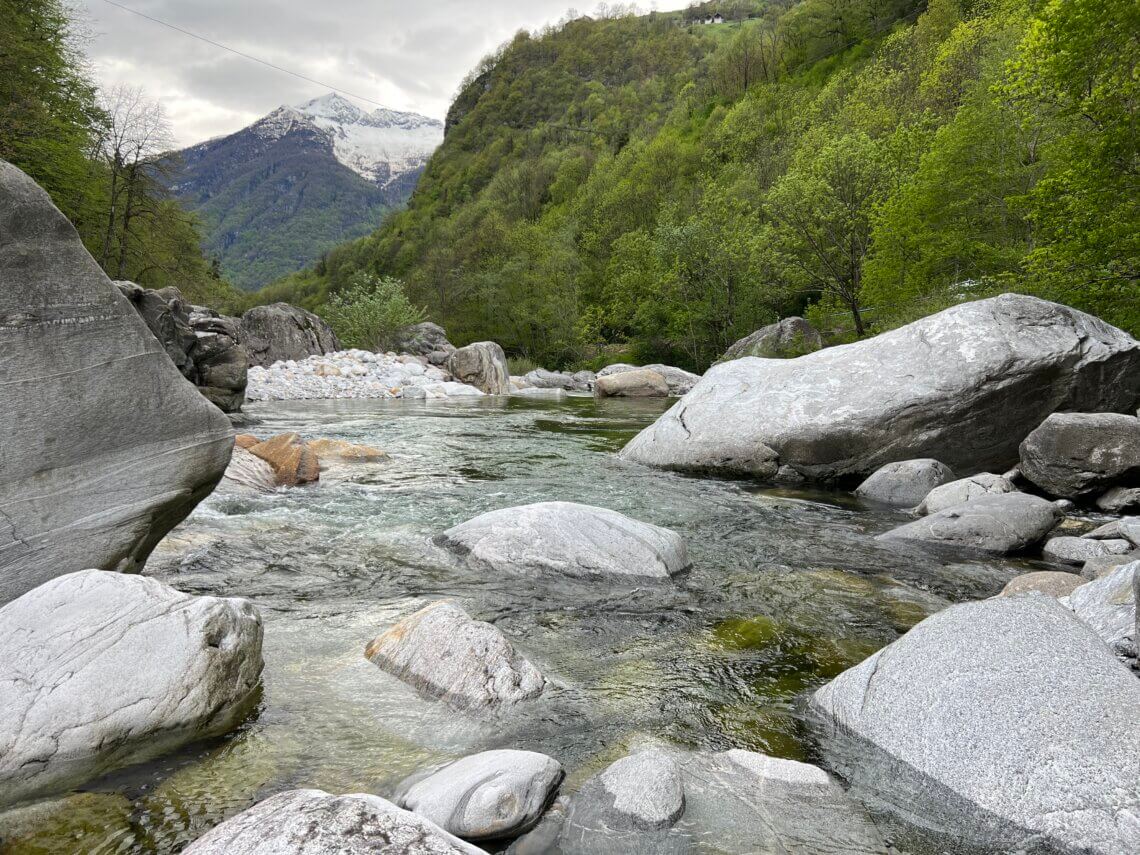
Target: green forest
{"x":652,"y":188}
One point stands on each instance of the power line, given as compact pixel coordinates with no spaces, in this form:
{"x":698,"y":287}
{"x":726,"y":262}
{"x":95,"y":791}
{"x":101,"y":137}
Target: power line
{"x":240,"y":53}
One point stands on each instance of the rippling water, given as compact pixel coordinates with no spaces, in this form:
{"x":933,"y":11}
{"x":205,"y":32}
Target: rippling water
{"x":788,"y":588}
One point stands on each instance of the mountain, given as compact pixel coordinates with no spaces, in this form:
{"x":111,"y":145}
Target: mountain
{"x":276,"y":195}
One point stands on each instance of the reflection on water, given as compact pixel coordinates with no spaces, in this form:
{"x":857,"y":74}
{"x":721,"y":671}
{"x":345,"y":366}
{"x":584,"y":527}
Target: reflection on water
{"x":788,"y":588}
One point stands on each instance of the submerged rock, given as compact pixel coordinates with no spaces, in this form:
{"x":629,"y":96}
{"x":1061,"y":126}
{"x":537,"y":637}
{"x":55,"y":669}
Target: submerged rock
{"x":568,"y":538}
{"x":484,"y":796}
{"x":1108,"y":605}
{"x":636,"y":383}
{"x":1075,"y":455}
{"x":787,"y":339}
{"x":467,"y":663}
{"x":107,"y":446}
{"x":99,"y":670}
{"x":965,"y":490}
{"x":280,"y":332}
{"x":964,"y":386}
{"x":1004,"y":724}
{"x":1001,"y":524}
{"x":312,"y":822}
{"x":906,"y":483}
{"x":482,"y":365}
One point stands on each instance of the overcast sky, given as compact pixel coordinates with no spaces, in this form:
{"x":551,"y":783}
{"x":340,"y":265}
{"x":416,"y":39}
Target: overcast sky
{"x":407,"y":56}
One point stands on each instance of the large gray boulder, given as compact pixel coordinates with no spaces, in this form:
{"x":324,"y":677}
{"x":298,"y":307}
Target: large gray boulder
{"x":423,"y":339}
{"x":566,"y":538}
{"x":786,"y":339}
{"x":106,"y":445}
{"x":280,"y":332}
{"x":485,"y":796}
{"x":1004,"y":725}
{"x":482,"y":365}
{"x":636,"y":383}
{"x":1077,"y":455}
{"x":99,"y":670}
{"x":1120,"y":500}
{"x":964,"y":386}
{"x":1078,"y":550}
{"x":965,"y":490}
{"x":467,"y":663}
{"x":678,"y":381}
{"x":1000,"y":524}
{"x":580,"y":381}
{"x":904,"y":484}
{"x":1108,"y":605}
{"x":1049,"y":582}
{"x":312,"y":822}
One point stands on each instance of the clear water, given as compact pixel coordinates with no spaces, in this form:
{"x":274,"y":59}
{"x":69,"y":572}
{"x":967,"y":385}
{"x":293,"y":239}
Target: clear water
{"x":788,"y":588}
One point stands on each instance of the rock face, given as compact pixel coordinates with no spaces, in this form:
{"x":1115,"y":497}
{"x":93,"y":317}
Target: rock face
{"x":312,"y":822}
{"x":280,"y":332}
{"x":106,"y":446}
{"x":964,"y":386}
{"x":1004,"y":723}
{"x":1000,"y":524}
{"x":99,"y":670}
{"x":566,"y":538}
{"x":470,"y":664}
{"x":425,"y":339}
{"x":638,"y":383}
{"x":964,"y":490}
{"x":485,"y":796}
{"x":787,"y":339}
{"x":1108,"y":605}
{"x":1075,"y":455}
{"x":482,"y":365}
{"x":906,"y":483}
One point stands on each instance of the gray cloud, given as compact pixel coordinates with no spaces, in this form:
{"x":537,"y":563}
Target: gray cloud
{"x":408,"y":56}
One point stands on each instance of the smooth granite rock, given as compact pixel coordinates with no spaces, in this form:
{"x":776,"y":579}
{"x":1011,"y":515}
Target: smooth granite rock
{"x":99,"y":670}
{"x":313,"y":822}
{"x":786,"y":339}
{"x":678,"y":380}
{"x":567,"y":538}
{"x":1005,"y":723}
{"x":107,"y":446}
{"x":581,"y":381}
{"x":469,"y":664}
{"x":636,"y":383}
{"x":1049,"y":582}
{"x":485,"y":796}
{"x":482,"y":365}
{"x":904,"y":484}
{"x":1120,"y":500}
{"x":1108,"y":605}
{"x":964,"y":386}
{"x":1127,"y":528}
{"x":1001,"y":524}
{"x":964,"y":490}
{"x":279,"y":332}
{"x":1077,"y":455}
{"x":1078,"y":550}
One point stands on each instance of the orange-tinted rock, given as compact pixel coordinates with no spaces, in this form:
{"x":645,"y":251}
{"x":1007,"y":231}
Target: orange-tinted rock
{"x":292,"y":461}
{"x":326,"y":449}
{"x":246,"y":440}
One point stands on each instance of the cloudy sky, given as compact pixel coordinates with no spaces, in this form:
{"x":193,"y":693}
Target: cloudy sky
{"x":408,"y":56}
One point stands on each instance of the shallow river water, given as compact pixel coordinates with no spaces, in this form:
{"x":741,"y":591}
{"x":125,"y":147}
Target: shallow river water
{"x":788,"y":588}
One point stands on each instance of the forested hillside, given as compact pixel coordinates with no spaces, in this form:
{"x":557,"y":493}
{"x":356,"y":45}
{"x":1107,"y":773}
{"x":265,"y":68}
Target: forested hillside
{"x":98,"y":154}
{"x":650,"y":185}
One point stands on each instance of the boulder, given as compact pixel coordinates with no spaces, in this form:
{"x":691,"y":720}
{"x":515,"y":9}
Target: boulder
{"x":569,"y":539}
{"x":678,"y":380}
{"x":787,"y":339}
{"x":964,"y":386}
{"x":964,"y":490}
{"x":279,"y":332}
{"x":339,"y":449}
{"x":1122,"y":529}
{"x":540,"y":378}
{"x":1002,"y":725}
{"x":1000,"y":524}
{"x":99,"y":670}
{"x":904,"y":484}
{"x":1108,"y":605}
{"x":423,"y":339}
{"x":469,"y":664}
{"x":1120,"y":500}
{"x":106,"y":445}
{"x":1048,"y":582}
{"x":1078,"y":455}
{"x":1078,"y":550}
{"x":638,"y":383}
{"x":168,"y":320}
{"x":482,"y":365}
{"x":1101,"y":566}
{"x":249,"y":472}
{"x":222,"y":364}
{"x":484,"y":796}
{"x":294,"y":462}
{"x":313,"y":822}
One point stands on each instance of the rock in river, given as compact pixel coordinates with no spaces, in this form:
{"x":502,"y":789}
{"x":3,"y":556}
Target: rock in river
{"x":1005,"y":723}
{"x":1078,"y":550}
{"x":1002,"y":524}
{"x":568,"y":538}
{"x":906,"y":483}
{"x":636,"y":383}
{"x":965,"y":490}
{"x":1074,"y":455}
{"x":99,"y":670}
{"x":467,"y":663}
{"x":484,"y":796}
{"x":1108,"y":605}
{"x":964,"y":386}
{"x":312,"y":822}
{"x":1049,"y":582}
{"x":106,"y":445}
{"x":280,"y":332}
{"x":482,"y":365}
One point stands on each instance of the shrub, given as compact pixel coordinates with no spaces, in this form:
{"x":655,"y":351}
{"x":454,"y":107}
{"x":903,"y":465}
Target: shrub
{"x":371,"y":311}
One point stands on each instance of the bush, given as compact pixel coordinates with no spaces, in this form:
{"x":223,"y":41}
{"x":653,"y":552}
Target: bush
{"x":371,"y":311}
